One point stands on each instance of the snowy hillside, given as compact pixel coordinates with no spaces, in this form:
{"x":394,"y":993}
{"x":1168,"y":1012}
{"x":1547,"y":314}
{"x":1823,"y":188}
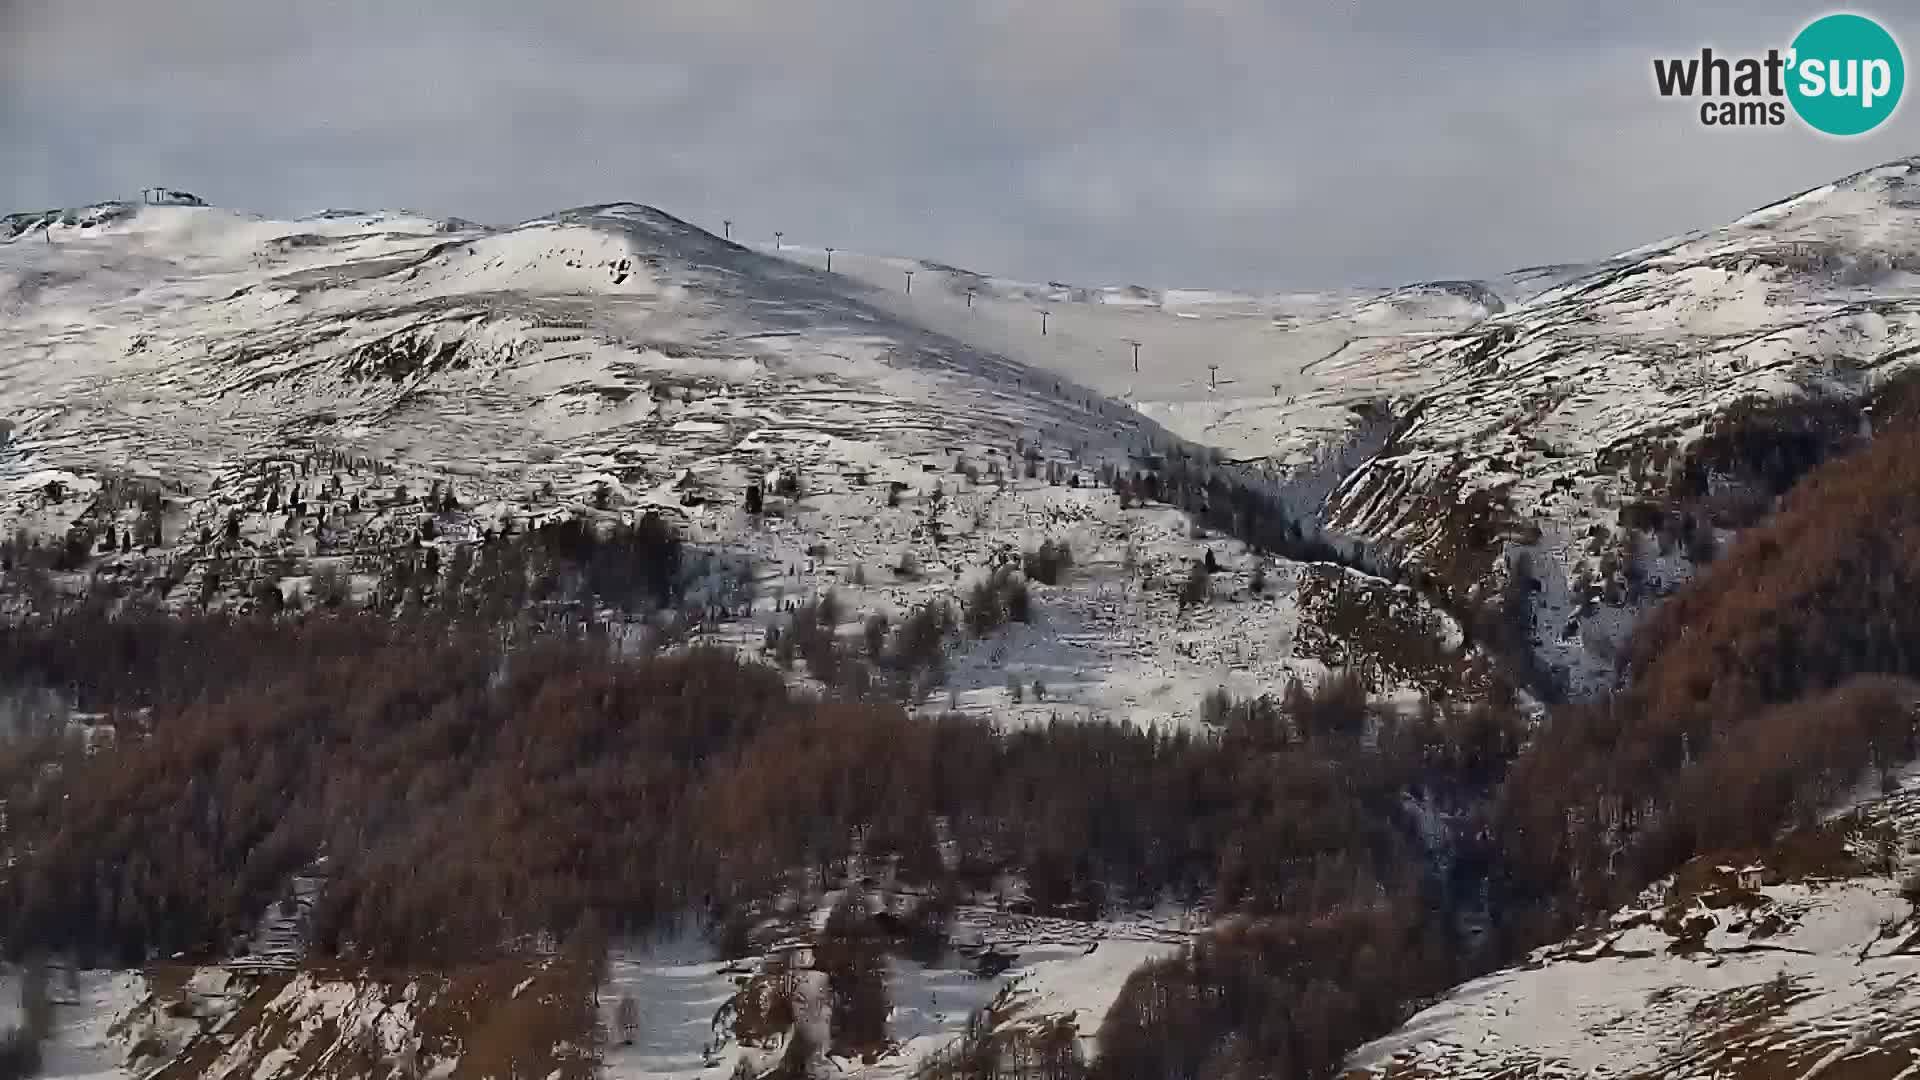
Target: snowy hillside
{"x":1788,"y":962}
{"x":1530,"y":409}
{"x":1266,"y":378}
{"x":1558,"y":411}
{"x":237,"y":1020}
{"x":204,"y":375}
{"x":1059,"y":971}
{"x":179,"y":1021}
{"x":1525,"y":412}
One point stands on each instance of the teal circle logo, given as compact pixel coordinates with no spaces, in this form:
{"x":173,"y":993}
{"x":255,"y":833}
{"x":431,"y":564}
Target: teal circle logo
{"x":1845,"y":74}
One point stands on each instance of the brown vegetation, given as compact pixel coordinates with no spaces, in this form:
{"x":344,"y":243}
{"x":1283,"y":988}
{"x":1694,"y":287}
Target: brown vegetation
{"x":469,"y":796}
{"x":1755,"y":695}
{"x":852,"y":951}
{"x":1285,"y":996}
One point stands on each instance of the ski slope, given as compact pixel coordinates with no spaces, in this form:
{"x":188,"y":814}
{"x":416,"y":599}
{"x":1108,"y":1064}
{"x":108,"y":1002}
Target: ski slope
{"x":1289,"y":366}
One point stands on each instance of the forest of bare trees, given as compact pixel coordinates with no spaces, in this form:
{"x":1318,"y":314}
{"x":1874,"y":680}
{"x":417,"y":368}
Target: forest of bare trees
{"x":436,"y":767}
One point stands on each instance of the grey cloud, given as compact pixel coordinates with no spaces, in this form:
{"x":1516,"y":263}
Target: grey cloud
{"x":1233,"y":142}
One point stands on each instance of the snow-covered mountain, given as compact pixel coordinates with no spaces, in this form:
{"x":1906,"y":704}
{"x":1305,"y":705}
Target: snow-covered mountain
{"x":188,"y":347}
{"x":613,"y":361}
{"x":1530,"y":408}
{"x":276,"y":396}
{"x":1562,"y":409}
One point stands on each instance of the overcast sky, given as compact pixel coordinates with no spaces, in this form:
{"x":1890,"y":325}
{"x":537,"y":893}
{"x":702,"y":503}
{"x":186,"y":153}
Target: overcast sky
{"x":1205,"y":142}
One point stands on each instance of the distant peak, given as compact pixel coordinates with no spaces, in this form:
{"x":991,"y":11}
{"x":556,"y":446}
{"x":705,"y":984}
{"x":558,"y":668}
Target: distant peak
{"x":625,"y":211}
{"x":647,"y":225}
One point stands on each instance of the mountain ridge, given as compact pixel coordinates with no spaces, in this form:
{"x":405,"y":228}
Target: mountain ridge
{"x":331,"y":410}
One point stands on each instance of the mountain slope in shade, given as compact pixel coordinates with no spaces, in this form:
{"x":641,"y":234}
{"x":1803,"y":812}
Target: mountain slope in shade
{"x":1549,"y":417}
